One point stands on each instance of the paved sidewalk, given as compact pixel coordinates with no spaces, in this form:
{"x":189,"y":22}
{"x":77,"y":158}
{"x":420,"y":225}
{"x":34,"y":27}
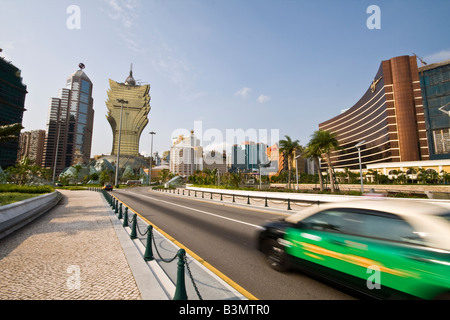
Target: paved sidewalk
{"x":71,"y":252}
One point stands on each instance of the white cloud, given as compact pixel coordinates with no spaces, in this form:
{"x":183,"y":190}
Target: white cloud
{"x":123,"y":10}
{"x":263,"y":99}
{"x":438,"y":56}
{"x":131,"y":42}
{"x":175,"y":67}
{"x":244,"y":92}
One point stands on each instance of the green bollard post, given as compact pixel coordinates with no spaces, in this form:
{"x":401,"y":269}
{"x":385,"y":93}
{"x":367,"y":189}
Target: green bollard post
{"x":133,"y":234}
{"x":248,"y":199}
{"x":180,"y":291}
{"x":289,"y":204}
{"x":116,"y":207}
{"x":125,"y":219}
{"x":120,"y":213}
{"x":120,"y":209}
{"x":148,"y":255}
{"x":265,"y":205}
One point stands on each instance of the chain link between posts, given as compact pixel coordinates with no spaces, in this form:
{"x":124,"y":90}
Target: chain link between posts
{"x":114,"y":204}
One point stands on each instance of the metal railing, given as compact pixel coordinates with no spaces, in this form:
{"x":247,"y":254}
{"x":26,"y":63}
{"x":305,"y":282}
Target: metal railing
{"x":213,"y":195}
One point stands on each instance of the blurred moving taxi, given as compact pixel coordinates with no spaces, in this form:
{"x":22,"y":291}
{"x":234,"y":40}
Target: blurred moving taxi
{"x":383,"y":248}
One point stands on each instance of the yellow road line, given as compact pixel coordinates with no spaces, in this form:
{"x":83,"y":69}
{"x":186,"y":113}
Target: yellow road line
{"x":233,"y":284}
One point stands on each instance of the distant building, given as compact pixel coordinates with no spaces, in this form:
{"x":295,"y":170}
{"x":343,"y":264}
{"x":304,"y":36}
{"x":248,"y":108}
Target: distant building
{"x":69,"y":124}
{"x":388,"y":120}
{"x":186,"y":155}
{"x":248,"y":156}
{"x":435,"y":83}
{"x":215,"y":160}
{"x":31,"y":146}
{"x":12,"y":107}
{"x":276,"y":159}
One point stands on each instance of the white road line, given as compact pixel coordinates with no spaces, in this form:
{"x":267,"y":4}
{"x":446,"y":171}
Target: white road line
{"x":201,"y":211}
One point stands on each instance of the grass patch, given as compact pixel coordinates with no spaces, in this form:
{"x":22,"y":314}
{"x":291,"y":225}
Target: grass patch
{"x":11,"y":197}
{"x":10,"y":193}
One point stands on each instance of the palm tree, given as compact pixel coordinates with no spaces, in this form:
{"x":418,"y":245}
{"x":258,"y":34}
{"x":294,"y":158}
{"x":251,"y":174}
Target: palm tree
{"x":311,"y":151}
{"x":325,"y":142}
{"x":289,"y":147}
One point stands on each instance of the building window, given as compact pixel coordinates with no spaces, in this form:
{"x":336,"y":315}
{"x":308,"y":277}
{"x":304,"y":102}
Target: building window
{"x":441,"y":141}
{"x":85,"y":86}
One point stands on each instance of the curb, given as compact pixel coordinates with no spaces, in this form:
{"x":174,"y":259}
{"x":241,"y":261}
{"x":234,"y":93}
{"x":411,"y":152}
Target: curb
{"x":16,"y":215}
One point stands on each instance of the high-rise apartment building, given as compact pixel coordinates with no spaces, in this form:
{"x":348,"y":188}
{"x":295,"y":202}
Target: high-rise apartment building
{"x":31,"y":146}
{"x":435,"y":83}
{"x":12,"y":107}
{"x":186,"y":155}
{"x":70,"y":123}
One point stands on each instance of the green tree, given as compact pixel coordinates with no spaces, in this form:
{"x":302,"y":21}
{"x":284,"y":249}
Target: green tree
{"x":164,"y":175}
{"x":78,"y":168}
{"x":23,"y":172}
{"x":104,"y":177}
{"x":289,"y":147}
{"x":95,"y":176}
{"x":325,"y":142}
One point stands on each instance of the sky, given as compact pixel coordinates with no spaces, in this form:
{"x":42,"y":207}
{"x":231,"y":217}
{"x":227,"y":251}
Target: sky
{"x":217,"y":66}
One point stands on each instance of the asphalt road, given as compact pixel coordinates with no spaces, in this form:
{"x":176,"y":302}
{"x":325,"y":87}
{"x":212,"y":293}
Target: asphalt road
{"x":225,"y":237}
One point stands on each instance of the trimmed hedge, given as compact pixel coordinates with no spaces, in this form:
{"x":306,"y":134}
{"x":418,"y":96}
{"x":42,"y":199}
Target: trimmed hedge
{"x":26,"y":189}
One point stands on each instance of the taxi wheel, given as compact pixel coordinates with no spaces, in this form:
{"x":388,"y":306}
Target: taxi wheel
{"x":443,"y":296}
{"x":275,"y":255}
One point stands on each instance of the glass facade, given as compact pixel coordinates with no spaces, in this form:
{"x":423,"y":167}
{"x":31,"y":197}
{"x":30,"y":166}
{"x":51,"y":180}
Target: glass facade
{"x":71,"y":117}
{"x":435,"y":84}
{"x":12,"y":107}
{"x":248,"y":157}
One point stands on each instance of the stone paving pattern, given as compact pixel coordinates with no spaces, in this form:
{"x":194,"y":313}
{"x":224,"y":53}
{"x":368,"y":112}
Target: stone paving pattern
{"x":70,"y":253}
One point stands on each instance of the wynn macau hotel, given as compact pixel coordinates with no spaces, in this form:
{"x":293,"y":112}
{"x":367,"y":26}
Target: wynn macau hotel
{"x":387,"y":124}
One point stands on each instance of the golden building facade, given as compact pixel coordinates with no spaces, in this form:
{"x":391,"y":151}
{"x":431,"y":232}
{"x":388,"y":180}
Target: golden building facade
{"x":136,"y":107}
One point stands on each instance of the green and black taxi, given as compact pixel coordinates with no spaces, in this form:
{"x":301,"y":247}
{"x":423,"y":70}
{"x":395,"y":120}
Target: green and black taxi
{"x":383,"y":248}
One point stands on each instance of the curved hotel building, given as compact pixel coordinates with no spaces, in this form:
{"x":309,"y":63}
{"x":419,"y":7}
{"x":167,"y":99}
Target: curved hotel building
{"x":388,"y":121}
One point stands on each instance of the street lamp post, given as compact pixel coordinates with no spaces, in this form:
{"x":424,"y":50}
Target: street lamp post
{"x":296,"y":168}
{"x":57,"y":149}
{"x":151,"y":160}
{"x":358,"y":146}
{"x":121,"y":101}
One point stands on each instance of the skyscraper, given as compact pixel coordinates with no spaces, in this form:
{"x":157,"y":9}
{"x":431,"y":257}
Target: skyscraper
{"x":12,"y":107}
{"x":133,"y":111}
{"x":70,"y":123}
